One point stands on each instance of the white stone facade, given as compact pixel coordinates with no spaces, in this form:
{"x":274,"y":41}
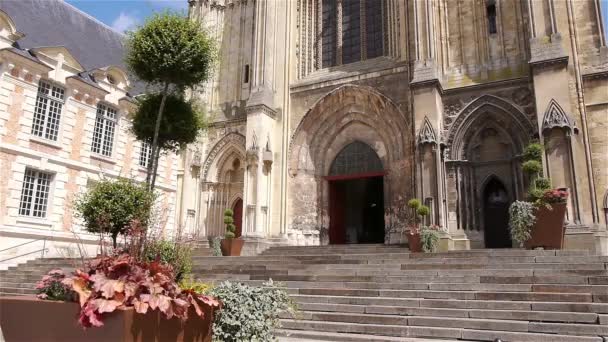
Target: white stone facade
{"x":69,"y":159}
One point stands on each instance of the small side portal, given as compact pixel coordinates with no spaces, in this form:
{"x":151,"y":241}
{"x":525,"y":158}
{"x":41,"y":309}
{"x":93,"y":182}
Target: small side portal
{"x":496,"y":215}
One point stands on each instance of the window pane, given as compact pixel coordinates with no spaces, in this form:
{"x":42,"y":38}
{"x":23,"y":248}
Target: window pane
{"x":103,"y":132}
{"x":144,"y":154}
{"x":27,"y":192}
{"x":42,"y":194}
{"x":351,"y":31}
{"x":374,"y":35}
{"x":328,"y":33}
{"x":97,"y":135}
{"x":47,"y":113}
{"x":35,"y":193}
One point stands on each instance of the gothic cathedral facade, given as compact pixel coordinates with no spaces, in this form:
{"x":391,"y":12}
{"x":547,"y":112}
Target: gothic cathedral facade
{"x":328,"y":115}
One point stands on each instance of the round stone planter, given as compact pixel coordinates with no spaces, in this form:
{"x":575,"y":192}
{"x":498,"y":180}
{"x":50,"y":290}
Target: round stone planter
{"x":31,"y":319}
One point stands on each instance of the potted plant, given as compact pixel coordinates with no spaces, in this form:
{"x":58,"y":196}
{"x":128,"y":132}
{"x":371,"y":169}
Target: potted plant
{"x":413,"y":232}
{"x":539,"y":221}
{"x":129,"y":299}
{"x":429,"y":238}
{"x":230,"y":245}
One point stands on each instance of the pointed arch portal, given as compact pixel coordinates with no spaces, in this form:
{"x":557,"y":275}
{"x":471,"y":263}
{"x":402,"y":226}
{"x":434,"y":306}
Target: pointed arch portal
{"x":356,"y":196}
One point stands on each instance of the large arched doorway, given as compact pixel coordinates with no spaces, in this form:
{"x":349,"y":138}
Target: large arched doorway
{"x":356,"y":191}
{"x":496,"y":214}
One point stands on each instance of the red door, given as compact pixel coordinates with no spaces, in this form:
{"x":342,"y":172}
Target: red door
{"x":238,"y":217}
{"x":337,"y":230}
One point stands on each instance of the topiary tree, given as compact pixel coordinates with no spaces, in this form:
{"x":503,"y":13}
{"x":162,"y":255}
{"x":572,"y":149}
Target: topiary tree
{"x":180,"y":123}
{"x":173,"y":52}
{"x":110,"y":206}
{"x":414,"y":204}
{"x":229,"y":222}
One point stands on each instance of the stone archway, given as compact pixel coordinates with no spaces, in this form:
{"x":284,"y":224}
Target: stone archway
{"x":484,"y":144}
{"x":345,"y":115}
{"x":223,"y":179}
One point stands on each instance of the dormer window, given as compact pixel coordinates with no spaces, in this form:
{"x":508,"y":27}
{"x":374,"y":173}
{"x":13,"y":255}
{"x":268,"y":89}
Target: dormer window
{"x":111,"y":79}
{"x":491,"y":14}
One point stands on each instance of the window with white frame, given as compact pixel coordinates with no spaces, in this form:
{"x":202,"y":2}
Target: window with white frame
{"x":145,"y":153}
{"x":103,"y":133}
{"x":47,"y":112}
{"x":35,"y":193}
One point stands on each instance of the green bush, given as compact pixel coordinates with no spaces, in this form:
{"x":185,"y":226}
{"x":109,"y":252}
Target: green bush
{"x":532,"y":167}
{"x":535,"y":194}
{"x":423,"y":210}
{"x":521,"y":220}
{"x":534,"y":151}
{"x":216,"y":247}
{"x":249,"y":313}
{"x":229,"y":221}
{"x":179,"y":256}
{"x":110,"y":206}
{"x":414,"y":203}
{"x":542,"y":183}
{"x":194,"y":285}
{"x":429,"y":238}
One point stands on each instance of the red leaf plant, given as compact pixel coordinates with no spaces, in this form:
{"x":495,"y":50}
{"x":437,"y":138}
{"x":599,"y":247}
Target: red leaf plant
{"x":120,"y":281}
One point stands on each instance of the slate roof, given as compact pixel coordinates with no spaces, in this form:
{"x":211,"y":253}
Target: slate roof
{"x":48,"y":23}
{"x":57,"y":23}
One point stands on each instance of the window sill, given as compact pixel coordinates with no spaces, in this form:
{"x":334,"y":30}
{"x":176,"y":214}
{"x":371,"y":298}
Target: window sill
{"x":46,"y":142}
{"x":39,"y":222}
{"x":102,"y":158}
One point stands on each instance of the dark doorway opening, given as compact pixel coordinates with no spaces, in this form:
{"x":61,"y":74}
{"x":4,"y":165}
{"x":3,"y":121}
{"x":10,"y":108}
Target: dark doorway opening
{"x":496,"y":215}
{"x":357,"y":210}
{"x":237,"y":208}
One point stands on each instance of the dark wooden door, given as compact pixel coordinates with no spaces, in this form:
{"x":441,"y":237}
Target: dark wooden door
{"x":337,"y":229}
{"x":238,"y":217}
{"x":496,"y":215}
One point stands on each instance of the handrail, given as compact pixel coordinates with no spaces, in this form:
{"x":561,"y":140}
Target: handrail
{"x":24,"y":254}
{"x":23,"y":244}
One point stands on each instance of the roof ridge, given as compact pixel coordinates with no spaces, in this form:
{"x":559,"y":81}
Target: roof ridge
{"x":92,"y":17}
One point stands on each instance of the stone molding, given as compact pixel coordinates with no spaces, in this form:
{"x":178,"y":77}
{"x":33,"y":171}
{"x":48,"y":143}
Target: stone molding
{"x":233,"y":137}
{"x":547,"y":51}
{"x":556,"y":117}
{"x":261,"y":108}
{"x":426,"y":134}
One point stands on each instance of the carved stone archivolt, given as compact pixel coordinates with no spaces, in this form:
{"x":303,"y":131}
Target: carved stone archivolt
{"x":556,"y":117}
{"x":219,"y":147}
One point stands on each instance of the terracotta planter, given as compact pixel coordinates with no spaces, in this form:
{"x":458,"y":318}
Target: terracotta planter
{"x":231,"y":247}
{"x":548,"y":231}
{"x":31,"y":319}
{"x":414,"y":243}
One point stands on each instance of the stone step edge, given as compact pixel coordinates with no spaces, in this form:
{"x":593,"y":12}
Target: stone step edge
{"x":347,"y":337}
{"x":462,"y":333}
{"x":312,"y":310}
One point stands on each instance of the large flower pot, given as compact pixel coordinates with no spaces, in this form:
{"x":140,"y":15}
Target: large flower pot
{"x":414,"y":243}
{"x":231,"y":247}
{"x":548,"y":231}
{"x":31,"y":319}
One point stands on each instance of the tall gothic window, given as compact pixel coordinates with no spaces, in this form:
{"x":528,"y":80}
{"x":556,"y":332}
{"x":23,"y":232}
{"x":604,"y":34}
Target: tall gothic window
{"x":361,"y":27}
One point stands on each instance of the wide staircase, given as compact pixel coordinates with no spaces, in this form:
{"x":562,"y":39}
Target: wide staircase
{"x":384,"y":293}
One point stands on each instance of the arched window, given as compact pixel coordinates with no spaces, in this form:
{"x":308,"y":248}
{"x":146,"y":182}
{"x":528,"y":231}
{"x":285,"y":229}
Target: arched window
{"x":356,"y":158}
{"x":491,"y":13}
{"x":362,"y":26}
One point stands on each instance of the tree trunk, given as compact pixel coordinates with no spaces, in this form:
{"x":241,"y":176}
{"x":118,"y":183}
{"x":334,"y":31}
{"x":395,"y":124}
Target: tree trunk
{"x":157,"y":157}
{"x":154,"y":160}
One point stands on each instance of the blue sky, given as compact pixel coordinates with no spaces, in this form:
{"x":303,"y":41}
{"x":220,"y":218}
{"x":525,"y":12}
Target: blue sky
{"x":126,"y":14}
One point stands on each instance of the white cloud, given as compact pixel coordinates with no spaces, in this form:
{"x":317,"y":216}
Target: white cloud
{"x":124,"y":22}
{"x":171,"y":4}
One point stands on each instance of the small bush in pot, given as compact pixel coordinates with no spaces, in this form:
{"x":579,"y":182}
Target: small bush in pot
{"x":230,"y":245}
{"x":52,"y":287}
{"x":429,"y":238}
{"x":521,"y":221}
{"x":249,"y":313}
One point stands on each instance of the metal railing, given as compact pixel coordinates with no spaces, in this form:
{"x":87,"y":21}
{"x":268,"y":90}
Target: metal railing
{"x":41,"y":251}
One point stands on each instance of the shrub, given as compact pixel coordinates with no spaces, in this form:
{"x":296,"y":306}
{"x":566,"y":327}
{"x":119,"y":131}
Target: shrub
{"x":534,"y":151}
{"x":229,"y":222}
{"x":51,"y":287}
{"x":521,"y":219}
{"x":542,"y":183}
{"x":423,"y":211}
{"x":216,"y":247}
{"x":195,"y":286}
{"x":112,"y":205}
{"x":429,"y":237}
{"x":414,"y":203}
{"x":121,"y":281}
{"x":249,"y":313}
{"x":532,"y":167}
{"x":179,"y":256}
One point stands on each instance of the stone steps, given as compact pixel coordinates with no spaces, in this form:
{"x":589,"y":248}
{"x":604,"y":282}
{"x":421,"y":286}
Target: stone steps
{"x":311,"y":336}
